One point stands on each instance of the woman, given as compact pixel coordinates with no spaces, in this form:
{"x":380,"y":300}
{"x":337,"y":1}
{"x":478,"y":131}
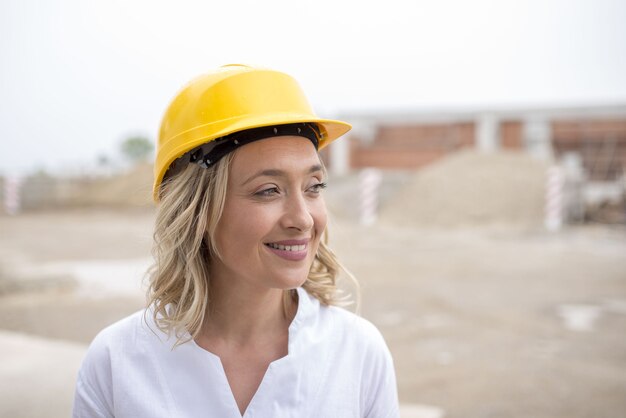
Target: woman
{"x":241,"y":318}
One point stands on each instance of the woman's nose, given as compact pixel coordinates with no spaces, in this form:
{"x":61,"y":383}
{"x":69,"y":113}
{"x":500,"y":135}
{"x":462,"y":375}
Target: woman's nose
{"x":298,"y":213}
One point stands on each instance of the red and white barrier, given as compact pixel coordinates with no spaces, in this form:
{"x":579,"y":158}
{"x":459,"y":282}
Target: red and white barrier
{"x":12,"y":203}
{"x":554,"y":198}
{"x":370,"y":180}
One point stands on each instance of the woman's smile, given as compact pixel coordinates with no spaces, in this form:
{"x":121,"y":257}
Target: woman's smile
{"x":293,"y":250}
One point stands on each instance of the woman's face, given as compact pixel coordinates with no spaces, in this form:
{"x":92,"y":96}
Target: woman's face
{"x":274,"y":215}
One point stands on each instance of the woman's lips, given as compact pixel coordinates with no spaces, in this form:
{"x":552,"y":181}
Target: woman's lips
{"x":293,"y":250}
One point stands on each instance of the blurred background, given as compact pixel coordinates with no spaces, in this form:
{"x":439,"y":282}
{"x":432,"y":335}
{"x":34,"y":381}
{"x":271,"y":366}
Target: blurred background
{"x":479,"y":199}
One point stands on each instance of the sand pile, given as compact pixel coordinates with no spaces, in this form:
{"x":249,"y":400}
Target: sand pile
{"x":133,"y":188}
{"x":469,"y":188}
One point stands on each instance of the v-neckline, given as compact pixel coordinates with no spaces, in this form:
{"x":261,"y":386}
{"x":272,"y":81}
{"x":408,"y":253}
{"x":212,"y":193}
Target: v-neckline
{"x":217,"y":362}
{"x":302,"y":300}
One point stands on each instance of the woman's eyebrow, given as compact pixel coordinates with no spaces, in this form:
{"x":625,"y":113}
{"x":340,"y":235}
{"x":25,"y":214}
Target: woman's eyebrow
{"x":273,"y":172}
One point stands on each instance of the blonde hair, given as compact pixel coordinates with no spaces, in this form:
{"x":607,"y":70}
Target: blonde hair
{"x":191,"y":205}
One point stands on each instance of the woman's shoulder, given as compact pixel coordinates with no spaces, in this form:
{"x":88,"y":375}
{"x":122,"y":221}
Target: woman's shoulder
{"x":354,"y":325}
{"x":356,"y":349}
{"x":342,"y":326}
{"x":123,"y":331}
{"x":364,"y":355}
{"x":116,"y":339}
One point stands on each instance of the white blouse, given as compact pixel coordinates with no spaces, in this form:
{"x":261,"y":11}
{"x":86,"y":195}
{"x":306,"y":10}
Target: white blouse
{"x":338,"y":365}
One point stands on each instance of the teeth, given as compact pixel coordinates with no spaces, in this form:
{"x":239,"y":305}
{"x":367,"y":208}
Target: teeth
{"x":287,"y":247}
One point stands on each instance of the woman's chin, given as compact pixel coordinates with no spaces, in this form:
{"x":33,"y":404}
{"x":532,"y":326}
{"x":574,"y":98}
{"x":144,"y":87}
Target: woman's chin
{"x":288,"y":283}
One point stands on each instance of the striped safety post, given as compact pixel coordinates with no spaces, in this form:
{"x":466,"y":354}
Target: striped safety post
{"x":554,"y":198}
{"x":370,"y":180}
{"x":12,"y":202}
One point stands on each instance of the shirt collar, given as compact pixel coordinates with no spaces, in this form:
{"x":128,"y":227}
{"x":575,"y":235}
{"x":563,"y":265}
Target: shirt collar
{"x":308,"y":306}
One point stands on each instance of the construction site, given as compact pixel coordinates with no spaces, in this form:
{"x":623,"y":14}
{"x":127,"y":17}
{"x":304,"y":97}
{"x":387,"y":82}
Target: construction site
{"x":490,"y":248}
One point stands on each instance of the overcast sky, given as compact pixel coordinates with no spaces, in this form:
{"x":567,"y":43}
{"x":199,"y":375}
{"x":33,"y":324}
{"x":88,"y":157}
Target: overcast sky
{"x":79,"y":76}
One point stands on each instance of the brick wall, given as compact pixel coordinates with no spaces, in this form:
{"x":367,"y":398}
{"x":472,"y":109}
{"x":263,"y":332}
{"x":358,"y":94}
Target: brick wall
{"x":601,"y":143}
{"x":512,"y":135}
{"x":409,"y":146}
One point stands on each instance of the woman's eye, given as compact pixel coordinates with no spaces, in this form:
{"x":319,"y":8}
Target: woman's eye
{"x":270,"y":191}
{"x":316,"y":188}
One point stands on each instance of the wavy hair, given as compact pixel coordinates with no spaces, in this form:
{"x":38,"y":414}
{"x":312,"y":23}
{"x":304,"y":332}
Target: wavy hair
{"x":191,"y":205}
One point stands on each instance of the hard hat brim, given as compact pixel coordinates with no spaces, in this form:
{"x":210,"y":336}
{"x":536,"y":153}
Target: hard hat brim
{"x":330,"y":130}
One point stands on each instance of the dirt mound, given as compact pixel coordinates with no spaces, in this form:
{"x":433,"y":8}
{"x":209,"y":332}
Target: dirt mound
{"x":470,"y":188}
{"x":132,"y":188}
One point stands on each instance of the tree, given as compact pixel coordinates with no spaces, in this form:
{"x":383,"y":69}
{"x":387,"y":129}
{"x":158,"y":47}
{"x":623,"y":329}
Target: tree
{"x":137,"y":148}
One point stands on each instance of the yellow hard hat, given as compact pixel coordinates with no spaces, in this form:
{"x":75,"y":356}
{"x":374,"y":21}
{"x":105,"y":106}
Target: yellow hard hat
{"x":232,"y":99}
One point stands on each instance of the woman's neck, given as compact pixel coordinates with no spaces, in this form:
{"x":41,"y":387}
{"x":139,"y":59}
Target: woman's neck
{"x":243,"y":315}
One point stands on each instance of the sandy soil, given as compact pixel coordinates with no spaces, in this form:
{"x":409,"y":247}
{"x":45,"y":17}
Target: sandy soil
{"x":498,"y":322}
